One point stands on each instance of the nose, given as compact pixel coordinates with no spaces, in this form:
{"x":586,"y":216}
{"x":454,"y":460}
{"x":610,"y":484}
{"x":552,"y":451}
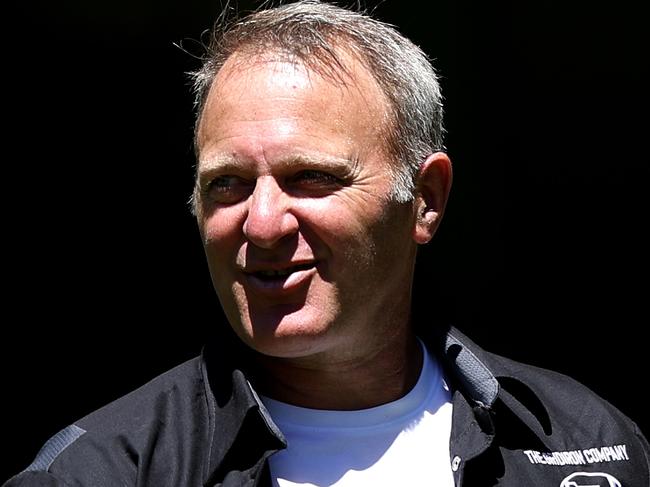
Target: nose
{"x":269,"y":218}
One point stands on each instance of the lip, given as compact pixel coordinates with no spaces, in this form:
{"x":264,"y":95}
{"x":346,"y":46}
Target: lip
{"x":299,"y":274}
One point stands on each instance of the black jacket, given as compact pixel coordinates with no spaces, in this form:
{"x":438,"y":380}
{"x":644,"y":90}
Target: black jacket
{"x":202,"y":424}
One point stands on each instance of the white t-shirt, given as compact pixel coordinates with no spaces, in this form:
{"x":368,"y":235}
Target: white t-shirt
{"x":404,"y":442}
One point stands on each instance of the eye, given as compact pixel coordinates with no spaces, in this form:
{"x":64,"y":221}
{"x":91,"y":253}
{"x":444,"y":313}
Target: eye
{"x":313,"y":177}
{"x":227,"y":189}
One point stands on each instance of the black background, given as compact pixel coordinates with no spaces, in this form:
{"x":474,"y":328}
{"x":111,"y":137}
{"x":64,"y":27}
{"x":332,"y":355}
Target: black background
{"x":542,"y":256}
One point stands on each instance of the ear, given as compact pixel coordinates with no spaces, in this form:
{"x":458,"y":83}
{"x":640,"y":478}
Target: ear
{"x":432,"y":191}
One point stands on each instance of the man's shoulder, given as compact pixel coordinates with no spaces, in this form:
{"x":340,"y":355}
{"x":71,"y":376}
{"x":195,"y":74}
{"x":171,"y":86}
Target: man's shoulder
{"x":562,"y":396}
{"x":149,"y":402}
{"x":555,"y":401}
{"x":543,"y":424}
{"x":157,"y":423}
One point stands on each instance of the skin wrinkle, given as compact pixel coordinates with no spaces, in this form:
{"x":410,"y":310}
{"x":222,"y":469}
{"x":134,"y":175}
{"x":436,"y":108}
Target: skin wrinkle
{"x":223,"y":164}
{"x":241,"y":64}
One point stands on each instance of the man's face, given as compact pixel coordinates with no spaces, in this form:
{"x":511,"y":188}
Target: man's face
{"x":307,"y":252}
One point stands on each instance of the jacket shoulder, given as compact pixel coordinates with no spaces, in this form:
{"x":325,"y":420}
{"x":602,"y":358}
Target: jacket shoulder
{"x":555,"y":398}
{"x":568,"y":416}
{"x":565,"y":399}
{"x":135,"y":435}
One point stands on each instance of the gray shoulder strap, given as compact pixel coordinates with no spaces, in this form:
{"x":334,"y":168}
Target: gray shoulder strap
{"x":53,"y":448}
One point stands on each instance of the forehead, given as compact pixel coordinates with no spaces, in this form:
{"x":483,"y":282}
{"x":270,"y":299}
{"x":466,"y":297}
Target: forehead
{"x":345,"y":71}
{"x":255,"y":88}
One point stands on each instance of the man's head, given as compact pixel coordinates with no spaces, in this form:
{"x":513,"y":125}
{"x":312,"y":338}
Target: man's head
{"x":310,"y":231}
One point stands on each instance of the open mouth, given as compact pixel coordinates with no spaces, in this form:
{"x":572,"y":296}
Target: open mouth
{"x":279,"y":274}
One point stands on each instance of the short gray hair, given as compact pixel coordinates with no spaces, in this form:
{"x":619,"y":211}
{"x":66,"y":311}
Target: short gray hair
{"x":312,"y":32}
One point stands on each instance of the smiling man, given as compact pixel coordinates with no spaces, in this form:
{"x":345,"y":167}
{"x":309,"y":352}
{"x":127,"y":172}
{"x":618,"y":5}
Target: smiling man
{"x":311,"y":255}
{"x":320,"y":171}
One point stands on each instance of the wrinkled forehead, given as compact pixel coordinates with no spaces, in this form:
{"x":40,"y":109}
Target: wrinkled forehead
{"x":341,"y":68}
{"x":245,"y":76}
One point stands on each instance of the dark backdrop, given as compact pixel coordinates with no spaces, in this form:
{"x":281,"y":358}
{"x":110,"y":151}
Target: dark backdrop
{"x":542,"y":256}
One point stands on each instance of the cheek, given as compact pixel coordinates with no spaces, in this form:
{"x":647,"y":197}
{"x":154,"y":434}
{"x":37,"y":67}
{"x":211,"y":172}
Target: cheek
{"x":340,"y":220}
{"x":221,"y":227}
{"x":365,"y":233}
{"x":222,"y":239}
{"x":347,"y":235}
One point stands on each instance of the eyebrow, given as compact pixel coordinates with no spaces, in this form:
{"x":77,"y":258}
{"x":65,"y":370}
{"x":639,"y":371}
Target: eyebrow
{"x":226,"y":162}
{"x":219,"y":162}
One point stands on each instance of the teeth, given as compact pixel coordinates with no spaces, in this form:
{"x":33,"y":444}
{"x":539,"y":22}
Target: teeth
{"x":284,"y":272}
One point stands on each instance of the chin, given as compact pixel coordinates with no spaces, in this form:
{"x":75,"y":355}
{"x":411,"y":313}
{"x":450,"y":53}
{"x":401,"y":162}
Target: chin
{"x":291,"y":337}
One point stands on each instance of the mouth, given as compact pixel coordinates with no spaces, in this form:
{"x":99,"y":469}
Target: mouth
{"x":279,"y":282}
{"x":270,"y":275}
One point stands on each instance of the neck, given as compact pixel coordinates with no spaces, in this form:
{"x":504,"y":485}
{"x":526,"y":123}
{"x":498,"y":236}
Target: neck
{"x":355,"y":382}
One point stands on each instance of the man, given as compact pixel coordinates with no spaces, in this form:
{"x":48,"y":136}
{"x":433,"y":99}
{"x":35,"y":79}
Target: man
{"x":320,"y":172}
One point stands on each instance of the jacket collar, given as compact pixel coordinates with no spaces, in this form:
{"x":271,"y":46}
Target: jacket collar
{"x":489,"y":382}
{"x":462,"y":361}
{"x":242,"y":432}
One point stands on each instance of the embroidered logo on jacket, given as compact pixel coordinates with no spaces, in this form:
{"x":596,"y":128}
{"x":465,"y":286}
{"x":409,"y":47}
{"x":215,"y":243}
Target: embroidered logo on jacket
{"x":590,"y":479}
{"x":615,"y":453}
